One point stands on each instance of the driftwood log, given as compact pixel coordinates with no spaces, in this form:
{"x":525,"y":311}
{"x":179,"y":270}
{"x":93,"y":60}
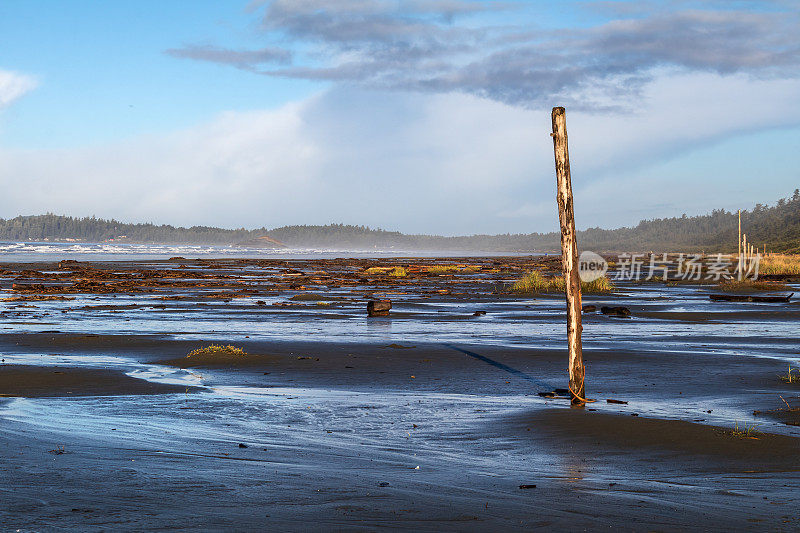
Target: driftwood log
{"x":748,"y":298}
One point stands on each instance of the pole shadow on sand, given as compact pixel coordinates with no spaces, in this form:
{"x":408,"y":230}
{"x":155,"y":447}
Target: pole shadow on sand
{"x":497,"y":364}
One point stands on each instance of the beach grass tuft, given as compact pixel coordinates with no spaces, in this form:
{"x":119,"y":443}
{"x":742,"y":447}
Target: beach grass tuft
{"x":216,"y":350}
{"x":398,"y":272}
{"x":536,"y":282}
{"x":790,"y":376}
{"x":599,"y":286}
{"x":779,"y":264}
{"x":745,"y":431}
{"x":748,"y":285}
{"x":442,"y":269}
{"x":395,"y":272}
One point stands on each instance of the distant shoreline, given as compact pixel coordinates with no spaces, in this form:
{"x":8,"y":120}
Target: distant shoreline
{"x":776,"y":227}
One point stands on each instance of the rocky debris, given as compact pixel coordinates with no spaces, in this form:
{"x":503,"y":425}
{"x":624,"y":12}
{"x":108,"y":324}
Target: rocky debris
{"x":224,"y":278}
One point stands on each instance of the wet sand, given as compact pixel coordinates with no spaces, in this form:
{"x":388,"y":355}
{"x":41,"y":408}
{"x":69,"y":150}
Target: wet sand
{"x":36,"y":382}
{"x":389,"y":429}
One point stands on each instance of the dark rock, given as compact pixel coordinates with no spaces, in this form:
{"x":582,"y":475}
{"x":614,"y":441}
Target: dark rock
{"x":616,"y":311}
{"x":67,"y":264}
{"x":379,"y":307}
{"x":479,"y":313}
{"x":242,"y":445}
{"x":589,"y":308}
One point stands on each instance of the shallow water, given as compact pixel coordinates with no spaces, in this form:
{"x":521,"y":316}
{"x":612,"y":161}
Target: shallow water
{"x":424,"y":440}
{"x":665,"y":319}
{"x":87,"y":251}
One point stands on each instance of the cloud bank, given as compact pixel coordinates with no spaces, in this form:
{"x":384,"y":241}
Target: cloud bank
{"x":455,"y":138}
{"x":438,"y":46}
{"x":444,"y":163}
{"x":243,"y":59}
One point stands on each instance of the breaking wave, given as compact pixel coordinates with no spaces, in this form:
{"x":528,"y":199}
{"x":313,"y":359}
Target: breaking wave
{"x":54,"y":251}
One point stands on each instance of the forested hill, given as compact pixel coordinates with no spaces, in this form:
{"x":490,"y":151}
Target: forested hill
{"x":91,"y":229}
{"x":776,"y":226}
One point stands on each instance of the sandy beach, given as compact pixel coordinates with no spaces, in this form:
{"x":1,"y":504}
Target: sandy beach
{"x":433,"y":418}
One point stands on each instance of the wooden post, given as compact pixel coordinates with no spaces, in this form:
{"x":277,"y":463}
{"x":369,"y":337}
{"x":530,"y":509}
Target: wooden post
{"x":744,"y":252}
{"x":739,"y":274}
{"x":569,"y":256}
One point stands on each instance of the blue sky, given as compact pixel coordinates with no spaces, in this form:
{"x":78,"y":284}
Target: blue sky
{"x":418,"y":115}
{"x":103,"y":74}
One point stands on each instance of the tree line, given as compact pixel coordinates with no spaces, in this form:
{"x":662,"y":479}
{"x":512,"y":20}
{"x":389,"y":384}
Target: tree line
{"x":777,"y":227}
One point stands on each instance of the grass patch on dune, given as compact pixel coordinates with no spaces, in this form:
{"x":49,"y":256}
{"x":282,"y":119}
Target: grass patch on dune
{"x":599,"y":286}
{"x":535,"y":282}
{"x":442,"y":269}
{"x":395,"y":272}
{"x":779,"y":264}
{"x":750,"y":286}
{"x":438,"y":270}
{"x":215,"y":350}
{"x":398,"y":272}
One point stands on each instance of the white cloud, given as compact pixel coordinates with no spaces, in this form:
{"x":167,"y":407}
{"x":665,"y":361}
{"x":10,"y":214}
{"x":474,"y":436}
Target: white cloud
{"x":443,"y":163}
{"x":13,"y":85}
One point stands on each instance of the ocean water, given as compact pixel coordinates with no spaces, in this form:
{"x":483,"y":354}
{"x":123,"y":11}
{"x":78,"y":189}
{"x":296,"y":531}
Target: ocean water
{"x":21,"y":252}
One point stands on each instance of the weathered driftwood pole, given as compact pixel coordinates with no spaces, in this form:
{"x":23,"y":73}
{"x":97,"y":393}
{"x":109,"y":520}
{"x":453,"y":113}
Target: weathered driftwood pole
{"x":739,"y":269}
{"x":569,"y":256}
{"x":744,"y":254}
